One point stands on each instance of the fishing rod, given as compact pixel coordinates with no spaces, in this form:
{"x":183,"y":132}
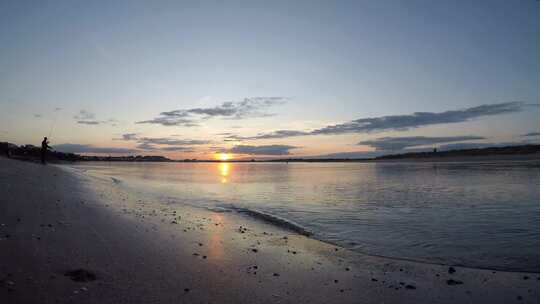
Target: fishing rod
{"x":53,"y":123}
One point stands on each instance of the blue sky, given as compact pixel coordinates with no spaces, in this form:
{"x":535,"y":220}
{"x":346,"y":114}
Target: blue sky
{"x":298,"y":66}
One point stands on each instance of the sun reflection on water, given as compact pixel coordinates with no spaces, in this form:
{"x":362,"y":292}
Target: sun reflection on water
{"x":224,"y":169}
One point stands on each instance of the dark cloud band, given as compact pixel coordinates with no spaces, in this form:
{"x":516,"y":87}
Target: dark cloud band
{"x":398,"y":122}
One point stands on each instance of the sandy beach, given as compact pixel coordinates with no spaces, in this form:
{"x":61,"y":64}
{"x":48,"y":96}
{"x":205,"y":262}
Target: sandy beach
{"x":66,"y":237}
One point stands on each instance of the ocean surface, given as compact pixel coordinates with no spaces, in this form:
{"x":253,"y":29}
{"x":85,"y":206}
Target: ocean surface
{"x":477,"y":214}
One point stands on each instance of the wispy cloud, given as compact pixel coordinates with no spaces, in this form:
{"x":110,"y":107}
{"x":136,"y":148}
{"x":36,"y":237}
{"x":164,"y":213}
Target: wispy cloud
{"x":262,"y":150}
{"x":85,"y":115}
{"x":249,"y":107}
{"x":88,"y":118}
{"x":78,"y":148}
{"x":88,"y":122}
{"x":398,"y":122}
{"x":162,"y":143}
{"x":400,"y":143}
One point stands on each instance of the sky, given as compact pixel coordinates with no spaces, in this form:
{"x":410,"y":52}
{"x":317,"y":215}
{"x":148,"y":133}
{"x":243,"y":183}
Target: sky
{"x":269,"y":78}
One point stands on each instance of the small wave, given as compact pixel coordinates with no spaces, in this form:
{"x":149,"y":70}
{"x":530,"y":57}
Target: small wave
{"x":272,"y":219}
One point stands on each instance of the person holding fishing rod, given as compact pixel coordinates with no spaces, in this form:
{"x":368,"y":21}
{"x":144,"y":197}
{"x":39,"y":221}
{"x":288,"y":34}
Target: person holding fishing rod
{"x":45,"y":143}
{"x":44,"y":147}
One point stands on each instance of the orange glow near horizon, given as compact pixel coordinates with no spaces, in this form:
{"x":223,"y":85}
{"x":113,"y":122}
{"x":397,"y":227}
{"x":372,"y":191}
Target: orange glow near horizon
{"x":223,"y":156}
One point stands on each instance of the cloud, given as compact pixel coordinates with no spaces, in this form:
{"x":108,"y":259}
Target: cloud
{"x":172,"y":142}
{"x":262,"y":150}
{"x":531,"y":134}
{"x":38,"y":115}
{"x":77,"y":148}
{"x":127,"y":136}
{"x":400,"y":143}
{"x":270,"y":135}
{"x":162,"y":143}
{"x":85,"y":115}
{"x":247,"y":108}
{"x":168,"y":141}
{"x":419,"y":119}
{"x":87,"y":118}
{"x":400,"y":122}
{"x":88,"y":122}
{"x":353,"y":154}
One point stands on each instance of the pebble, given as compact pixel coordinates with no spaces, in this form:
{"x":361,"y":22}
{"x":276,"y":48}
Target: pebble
{"x":451,"y":270}
{"x":410,"y":287}
{"x":454,"y":282}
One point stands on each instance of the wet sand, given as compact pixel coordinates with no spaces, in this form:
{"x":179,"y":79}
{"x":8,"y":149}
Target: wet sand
{"x":70,"y":238}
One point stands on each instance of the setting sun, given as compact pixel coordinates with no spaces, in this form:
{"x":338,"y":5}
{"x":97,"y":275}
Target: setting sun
{"x":223,"y":156}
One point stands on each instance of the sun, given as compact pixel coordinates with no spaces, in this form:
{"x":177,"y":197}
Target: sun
{"x":223,"y":156}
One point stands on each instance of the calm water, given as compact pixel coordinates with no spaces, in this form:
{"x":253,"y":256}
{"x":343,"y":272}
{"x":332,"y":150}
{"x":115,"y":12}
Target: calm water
{"x":473,"y":214}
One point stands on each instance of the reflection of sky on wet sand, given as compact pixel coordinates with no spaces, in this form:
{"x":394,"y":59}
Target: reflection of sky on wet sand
{"x":215,"y":245}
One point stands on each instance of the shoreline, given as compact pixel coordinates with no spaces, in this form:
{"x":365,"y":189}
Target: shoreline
{"x":143,"y":251}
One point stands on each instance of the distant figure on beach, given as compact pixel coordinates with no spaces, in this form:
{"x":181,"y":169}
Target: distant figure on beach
{"x":44,"y":147}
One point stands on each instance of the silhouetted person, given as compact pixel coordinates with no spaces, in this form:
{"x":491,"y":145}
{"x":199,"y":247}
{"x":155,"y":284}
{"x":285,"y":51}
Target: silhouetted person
{"x":44,"y":147}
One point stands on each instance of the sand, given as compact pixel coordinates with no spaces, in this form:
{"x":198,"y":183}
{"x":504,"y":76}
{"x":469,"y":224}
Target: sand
{"x":70,"y":238}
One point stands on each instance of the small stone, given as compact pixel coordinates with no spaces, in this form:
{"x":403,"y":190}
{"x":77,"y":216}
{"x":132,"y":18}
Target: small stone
{"x":186,"y":289}
{"x":80,"y":275}
{"x":336,"y":281}
{"x":374,"y":280}
{"x":451,"y":270}
{"x":453,"y":282}
{"x":525,"y":277}
{"x":410,"y":287}
{"x":519,"y":298}
{"x":347,"y":269}
{"x":276,"y":274}
{"x":254,"y":250}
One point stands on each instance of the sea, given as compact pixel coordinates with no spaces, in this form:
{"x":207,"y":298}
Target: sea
{"x":474,"y":214}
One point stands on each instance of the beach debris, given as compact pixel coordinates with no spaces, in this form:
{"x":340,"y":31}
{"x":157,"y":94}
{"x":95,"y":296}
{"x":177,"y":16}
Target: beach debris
{"x":452,"y":282}
{"x":410,"y":286}
{"x":80,"y":275}
{"x":451,"y":270}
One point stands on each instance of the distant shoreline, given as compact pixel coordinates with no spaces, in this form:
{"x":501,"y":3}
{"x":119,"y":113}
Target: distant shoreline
{"x":521,"y":152}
